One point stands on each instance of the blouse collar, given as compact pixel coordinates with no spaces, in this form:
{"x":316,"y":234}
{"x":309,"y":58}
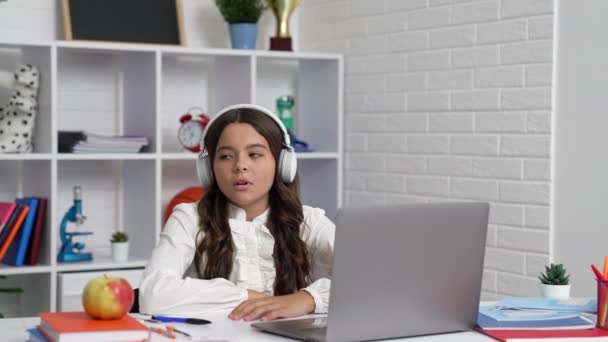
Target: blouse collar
{"x":240,"y":214}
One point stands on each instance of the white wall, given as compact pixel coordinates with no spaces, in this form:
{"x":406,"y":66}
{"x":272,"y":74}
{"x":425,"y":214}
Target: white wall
{"x":445,"y":100}
{"x":450,"y":100}
{"x":581,"y":121}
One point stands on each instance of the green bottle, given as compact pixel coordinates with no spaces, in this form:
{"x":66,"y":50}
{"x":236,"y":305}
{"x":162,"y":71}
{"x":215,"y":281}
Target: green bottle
{"x":285,"y":105}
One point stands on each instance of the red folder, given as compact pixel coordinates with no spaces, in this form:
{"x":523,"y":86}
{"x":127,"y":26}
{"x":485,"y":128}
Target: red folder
{"x":548,"y":335}
{"x":31,"y":258}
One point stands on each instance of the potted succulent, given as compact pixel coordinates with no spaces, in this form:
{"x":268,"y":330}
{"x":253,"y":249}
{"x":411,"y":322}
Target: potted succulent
{"x":555,"y":282}
{"x":120,"y":246}
{"x":242,"y":17}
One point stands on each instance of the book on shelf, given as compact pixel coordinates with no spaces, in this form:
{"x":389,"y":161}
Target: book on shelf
{"x":12,"y":227}
{"x":16,"y":253}
{"x":6,"y":209}
{"x":90,"y":142}
{"x":33,"y":250}
{"x":78,"y":326}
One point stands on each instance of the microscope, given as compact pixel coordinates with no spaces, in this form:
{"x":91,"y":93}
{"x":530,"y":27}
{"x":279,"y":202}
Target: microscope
{"x":71,"y":251}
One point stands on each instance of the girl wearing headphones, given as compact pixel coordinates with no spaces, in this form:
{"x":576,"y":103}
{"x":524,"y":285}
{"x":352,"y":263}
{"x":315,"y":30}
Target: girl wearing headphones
{"x":249,"y":244}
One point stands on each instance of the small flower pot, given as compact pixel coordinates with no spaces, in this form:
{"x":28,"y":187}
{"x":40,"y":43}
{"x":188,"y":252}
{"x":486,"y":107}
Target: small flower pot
{"x":556,"y":291}
{"x":243,"y":35}
{"x":120,"y":251}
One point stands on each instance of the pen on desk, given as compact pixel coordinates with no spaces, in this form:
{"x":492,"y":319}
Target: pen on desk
{"x":168,"y":333}
{"x":172,"y":328}
{"x":181,"y":320}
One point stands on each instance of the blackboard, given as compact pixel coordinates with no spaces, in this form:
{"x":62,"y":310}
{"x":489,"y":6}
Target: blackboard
{"x":142,"y":21}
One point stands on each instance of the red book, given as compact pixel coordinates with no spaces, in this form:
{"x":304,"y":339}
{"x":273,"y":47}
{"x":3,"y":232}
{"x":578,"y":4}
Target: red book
{"x":31,"y":258}
{"x":6,"y":209}
{"x":79,"y":327}
{"x":595,"y":334}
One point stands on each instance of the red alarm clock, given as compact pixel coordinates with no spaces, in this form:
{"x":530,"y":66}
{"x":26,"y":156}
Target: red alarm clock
{"x":190,"y":131}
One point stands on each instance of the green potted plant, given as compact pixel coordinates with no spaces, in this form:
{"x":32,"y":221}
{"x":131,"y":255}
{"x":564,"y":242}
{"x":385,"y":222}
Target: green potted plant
{"x":242,"y":17}
{"x":555,"y":282}
{"x":120,"y":246}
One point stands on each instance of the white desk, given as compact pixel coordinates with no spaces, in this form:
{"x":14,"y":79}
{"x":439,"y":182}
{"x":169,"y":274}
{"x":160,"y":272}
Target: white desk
{"x":221,"y":330}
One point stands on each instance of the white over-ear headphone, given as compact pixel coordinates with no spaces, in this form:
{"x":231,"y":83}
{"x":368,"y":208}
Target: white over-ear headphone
{"x":287,"y":163}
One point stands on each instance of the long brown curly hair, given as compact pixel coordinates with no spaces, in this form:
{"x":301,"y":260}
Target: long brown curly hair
{"x":215,"y":253}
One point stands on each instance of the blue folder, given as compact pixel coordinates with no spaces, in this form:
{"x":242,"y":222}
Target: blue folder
{"x":37,"y":335}
{"x":577,"y":322}
{"x":16,"y":252}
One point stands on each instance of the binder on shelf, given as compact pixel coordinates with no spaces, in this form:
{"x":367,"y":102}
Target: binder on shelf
{"x":6,"y":209}
{"x":68,"y":139}
{"x":16,"y":252}
{"x":33,"y":250}
{"x":13,"y":226}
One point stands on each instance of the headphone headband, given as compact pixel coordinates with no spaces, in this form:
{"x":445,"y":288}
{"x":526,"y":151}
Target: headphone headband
{"x":286,"y":139}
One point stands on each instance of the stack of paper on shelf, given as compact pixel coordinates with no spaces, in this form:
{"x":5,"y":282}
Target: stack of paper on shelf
{"x":540,"y":319}
{"x":89,"y":142}
{"x":78,"y":326}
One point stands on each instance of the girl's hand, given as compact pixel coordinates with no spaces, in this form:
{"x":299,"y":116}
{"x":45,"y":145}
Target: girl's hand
{"x":255,"y":294}
{"x":268,"y":308}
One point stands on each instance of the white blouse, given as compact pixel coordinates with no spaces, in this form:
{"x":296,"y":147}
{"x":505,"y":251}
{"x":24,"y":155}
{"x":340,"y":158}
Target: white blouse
{"x":170,"y":284}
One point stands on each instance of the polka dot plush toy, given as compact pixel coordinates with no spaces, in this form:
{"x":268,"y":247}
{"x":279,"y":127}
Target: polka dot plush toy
{"x":17,"y":117}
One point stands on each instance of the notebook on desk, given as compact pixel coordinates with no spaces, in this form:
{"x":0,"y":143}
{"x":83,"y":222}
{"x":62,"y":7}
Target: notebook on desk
{"x":401,"y":271}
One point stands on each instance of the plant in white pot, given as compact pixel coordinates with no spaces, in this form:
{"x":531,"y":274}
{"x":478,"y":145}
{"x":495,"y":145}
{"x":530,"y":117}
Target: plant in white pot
{"x":555,"y":282}
{"x":242,"y":17}
{"x":120,"y":246}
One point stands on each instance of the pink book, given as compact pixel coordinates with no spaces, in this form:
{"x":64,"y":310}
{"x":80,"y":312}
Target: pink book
{"x":6,"y":209}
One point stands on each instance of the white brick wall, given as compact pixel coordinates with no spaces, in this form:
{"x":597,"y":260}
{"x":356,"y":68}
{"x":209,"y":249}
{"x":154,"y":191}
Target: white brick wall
{"x":444,"y":99}
{"x":450,"y":99}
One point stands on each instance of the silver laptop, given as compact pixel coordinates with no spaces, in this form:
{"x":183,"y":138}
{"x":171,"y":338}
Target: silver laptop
{"x":400,"y":271}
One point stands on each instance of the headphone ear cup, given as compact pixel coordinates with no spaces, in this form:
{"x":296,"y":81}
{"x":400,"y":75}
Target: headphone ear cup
{"x":203,"y":169}
{"x":288,"y":165}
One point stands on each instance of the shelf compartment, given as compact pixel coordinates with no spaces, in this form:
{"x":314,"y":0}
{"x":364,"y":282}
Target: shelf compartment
{"x":177,"y":175}
{"x":107,"y":91}
{"x":29,"y":178}
{"x":35,"y":298}
{"x":319,"y":184}
{"x":195,"y":80}
{"x":116,"y":195}
{"x":314,"y":85}
{"x":11,"y":56}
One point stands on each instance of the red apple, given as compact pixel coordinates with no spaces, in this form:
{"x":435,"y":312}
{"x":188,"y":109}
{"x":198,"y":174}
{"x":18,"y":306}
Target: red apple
{"x":107,"y":298}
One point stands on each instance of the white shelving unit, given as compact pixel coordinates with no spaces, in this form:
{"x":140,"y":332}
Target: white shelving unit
{"x":143,"y":90}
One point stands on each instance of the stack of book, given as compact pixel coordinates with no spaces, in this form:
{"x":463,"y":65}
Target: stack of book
{"x":21,"y":229}
{"x":78,"y":326}
{"x":525,"y":319}
{"x":88,"y":142}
